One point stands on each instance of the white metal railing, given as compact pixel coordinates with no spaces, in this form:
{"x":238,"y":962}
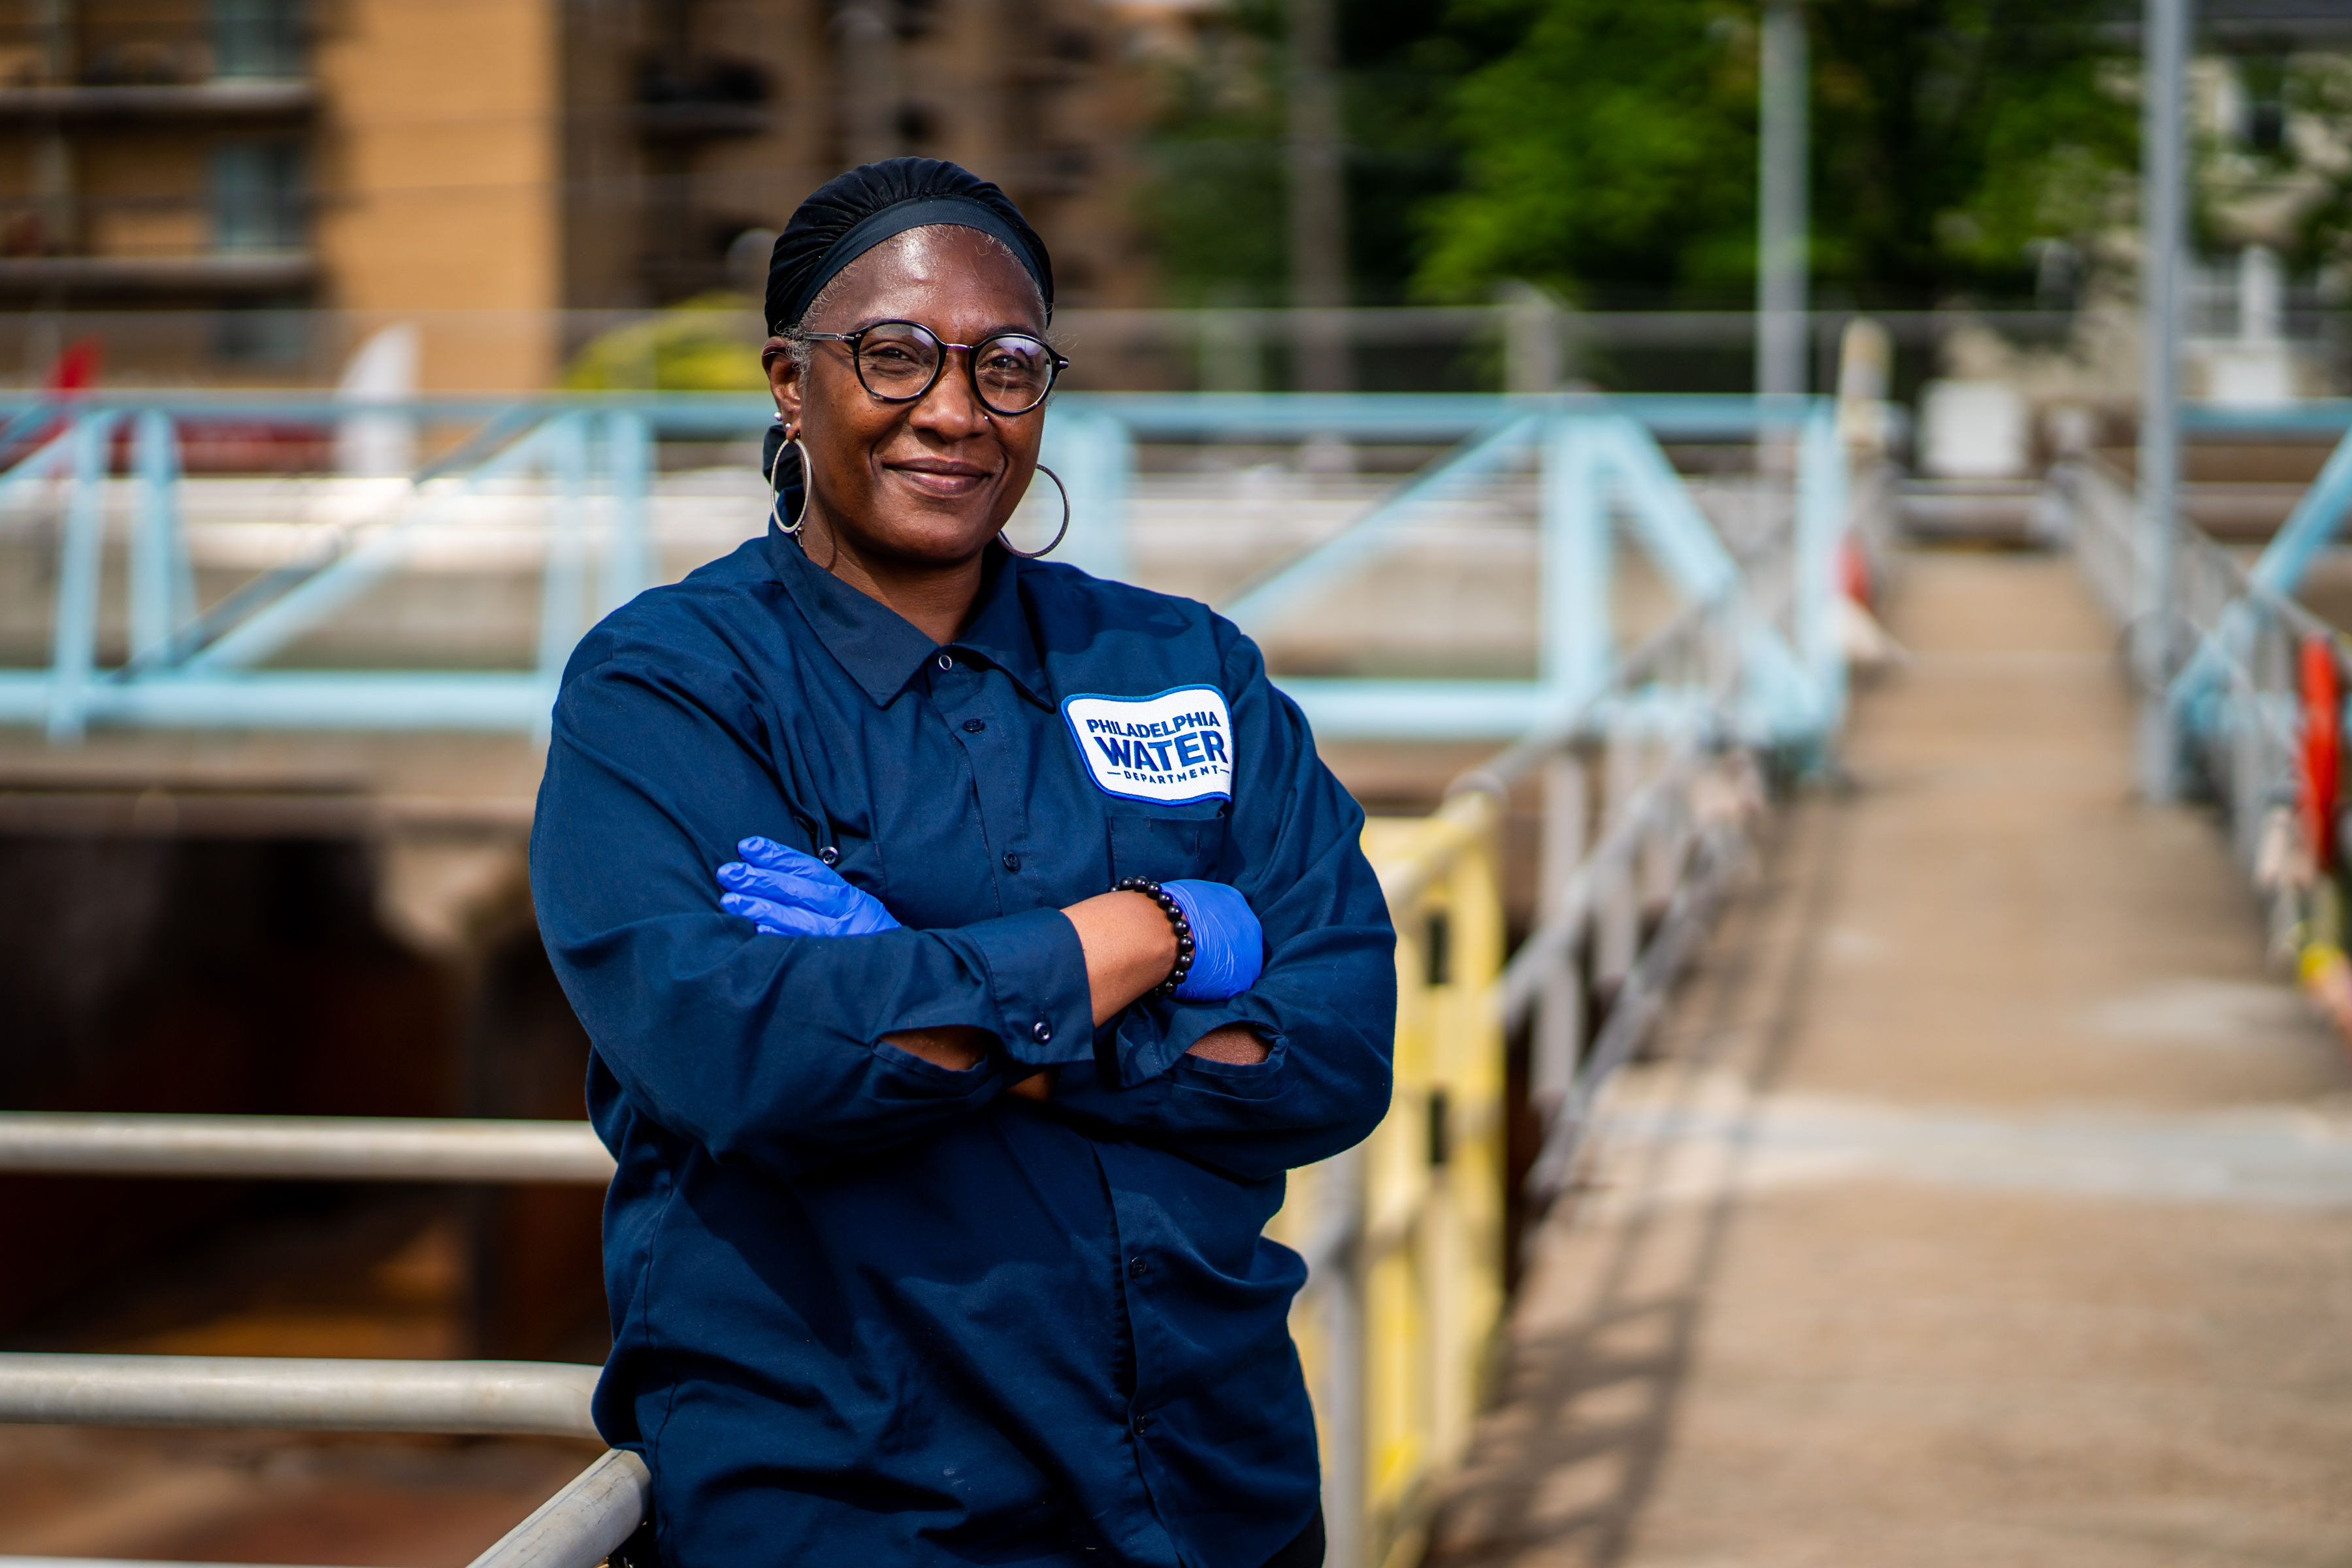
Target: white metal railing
{"x":1619,"y":913}
{"x":296,"y":1393}
{"x":578,"y":1528}
{"x":303,"y":1148}
{"x":1403,"y":1235}
{"x":2242,"y":734}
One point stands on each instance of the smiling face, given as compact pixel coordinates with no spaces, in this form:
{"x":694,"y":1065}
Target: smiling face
{"x":922,"y":485}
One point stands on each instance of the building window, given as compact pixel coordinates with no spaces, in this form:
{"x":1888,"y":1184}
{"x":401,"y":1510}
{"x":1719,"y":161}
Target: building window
{"x":257,"y":38}
{"x":256,"y":197}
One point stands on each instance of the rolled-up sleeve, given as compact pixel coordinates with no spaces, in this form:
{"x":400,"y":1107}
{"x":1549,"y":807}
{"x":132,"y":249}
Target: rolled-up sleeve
{"x":760,"y":1048}
{"x":1326,"y":1001}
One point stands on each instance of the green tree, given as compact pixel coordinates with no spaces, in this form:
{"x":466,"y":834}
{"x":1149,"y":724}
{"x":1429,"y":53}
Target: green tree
{"x":1215,"y":200}
{"x":1212,"y":201}
{"x":1610,"y":151}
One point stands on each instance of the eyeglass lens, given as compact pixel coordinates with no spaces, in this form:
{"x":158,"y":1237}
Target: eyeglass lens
{"x":899,"y":361}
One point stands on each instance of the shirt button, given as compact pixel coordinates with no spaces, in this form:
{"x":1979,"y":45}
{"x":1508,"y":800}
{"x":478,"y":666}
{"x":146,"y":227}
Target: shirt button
{"x":829,"y":854}
{"x":974,"y":726}
{"x":1138,"y":1268}
{"x":1041,"y":1031}
{"x":946,"y":661}
{"x":1012,"y":861}
{"x":1143,"y":1420}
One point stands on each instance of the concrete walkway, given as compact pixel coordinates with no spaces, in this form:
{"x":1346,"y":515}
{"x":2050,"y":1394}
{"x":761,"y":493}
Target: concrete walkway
{"x":1989,"y":1204}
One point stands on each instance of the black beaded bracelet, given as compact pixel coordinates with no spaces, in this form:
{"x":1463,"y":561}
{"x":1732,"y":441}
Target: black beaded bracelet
{"x":1175,"y":913}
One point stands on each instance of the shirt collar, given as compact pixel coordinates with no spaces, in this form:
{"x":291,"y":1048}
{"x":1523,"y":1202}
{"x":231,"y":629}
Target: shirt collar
{"x":882,"y":650}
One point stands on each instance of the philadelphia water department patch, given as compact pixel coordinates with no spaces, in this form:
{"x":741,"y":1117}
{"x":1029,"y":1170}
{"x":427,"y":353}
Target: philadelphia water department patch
{"x":1169,"y":749}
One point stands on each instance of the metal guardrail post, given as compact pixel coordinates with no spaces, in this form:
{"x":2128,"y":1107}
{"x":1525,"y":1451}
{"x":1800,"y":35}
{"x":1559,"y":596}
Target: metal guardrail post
{"x":74,"y":645}
{"x":567,"y":544}
{"x":1573,"y":629}
{"x":1345,"y":1467}
{"x":1619,"y":919}
{"x":1095,"y":456}
{"x":629,"y":567}
{"x":162,"y":580}
{"x":1822,"y":504}
{"x":1559,"y":1004}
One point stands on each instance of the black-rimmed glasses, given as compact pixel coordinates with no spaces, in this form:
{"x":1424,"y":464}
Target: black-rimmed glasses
{"x":900,"y":361}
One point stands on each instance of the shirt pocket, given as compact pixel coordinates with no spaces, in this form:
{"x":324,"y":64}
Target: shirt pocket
{"x":1165,"y":848}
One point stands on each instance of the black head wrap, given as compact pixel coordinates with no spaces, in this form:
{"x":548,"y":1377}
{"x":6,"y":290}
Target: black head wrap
{"x":851,"y":214}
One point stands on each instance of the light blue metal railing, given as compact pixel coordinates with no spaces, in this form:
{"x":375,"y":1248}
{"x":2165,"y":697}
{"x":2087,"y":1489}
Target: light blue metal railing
{"x":590,"y":464}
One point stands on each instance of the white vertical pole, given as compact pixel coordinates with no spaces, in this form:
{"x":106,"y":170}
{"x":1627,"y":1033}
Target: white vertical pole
{"x":560,"y":592}
{"x":1318,"y":196}
{"x":1573,"y":645}
{"x":80,"y":554}
{"x":1093,"y":456}
{"x":162,"y":591}
{"x":1346,"y":1480}
{"x":2163,"y":204}
{"x":1617,"y":937}
{"x":630,"y":567}
{"x":1782,"y":202}
{"x":1560,"y":1006}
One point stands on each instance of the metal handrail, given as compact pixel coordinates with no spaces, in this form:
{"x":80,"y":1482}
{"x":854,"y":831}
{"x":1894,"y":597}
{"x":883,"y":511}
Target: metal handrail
{"x":541,"y":1399}
{"x":303,"y":1148}
{"x":1498,"y":773}
{"x":585,"y":1523}
{"x":1551,"y":943}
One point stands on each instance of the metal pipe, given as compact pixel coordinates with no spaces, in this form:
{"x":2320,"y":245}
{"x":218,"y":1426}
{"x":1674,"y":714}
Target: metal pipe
{"x":582,"y":1525}
{"x":1560,"y":1000}
{"x":542,"y":1399}
{"x":1318,"y":199}
{"x":1347,"y":1479}
{"x":303,"y":1148}
{"x":2163,"y":218}
{"x":1783,"y":201}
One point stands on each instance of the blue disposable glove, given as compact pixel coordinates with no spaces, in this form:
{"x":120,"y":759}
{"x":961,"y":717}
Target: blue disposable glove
{"x":1228,"y":944}
{"x":787,"y":893}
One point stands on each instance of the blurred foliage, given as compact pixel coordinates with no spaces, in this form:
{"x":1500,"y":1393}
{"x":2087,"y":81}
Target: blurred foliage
{"x":1954,"y":138}
{"x":1612,"y":152}
{"x":1608,"y":150}
{"x":1214,"y":201}
{"x":2313,"y":166}
{"x":709,"y":343}
{"x":1214,"y":205}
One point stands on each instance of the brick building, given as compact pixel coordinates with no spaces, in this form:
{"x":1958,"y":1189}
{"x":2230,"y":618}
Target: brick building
{"x":240,"y":189}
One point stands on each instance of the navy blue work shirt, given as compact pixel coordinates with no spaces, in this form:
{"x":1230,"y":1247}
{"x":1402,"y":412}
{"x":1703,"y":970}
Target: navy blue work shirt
{"x":868,"y":1311}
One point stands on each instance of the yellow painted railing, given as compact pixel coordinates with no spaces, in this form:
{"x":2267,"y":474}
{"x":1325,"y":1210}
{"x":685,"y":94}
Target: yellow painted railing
{"x":1404,"y":1235}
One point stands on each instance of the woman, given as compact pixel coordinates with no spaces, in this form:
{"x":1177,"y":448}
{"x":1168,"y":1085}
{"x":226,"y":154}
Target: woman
{"x":936,"y":1231}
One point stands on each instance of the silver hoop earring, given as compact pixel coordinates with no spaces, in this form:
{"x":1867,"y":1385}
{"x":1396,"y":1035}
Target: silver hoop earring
{"x":1034,"y":555}
{"x":775,"y":498}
